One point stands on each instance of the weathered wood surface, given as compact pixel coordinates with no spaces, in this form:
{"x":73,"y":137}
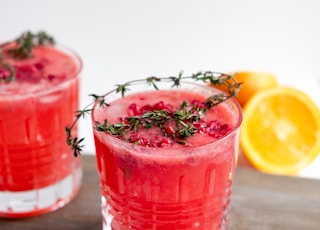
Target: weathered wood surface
{"x":259,"y":202}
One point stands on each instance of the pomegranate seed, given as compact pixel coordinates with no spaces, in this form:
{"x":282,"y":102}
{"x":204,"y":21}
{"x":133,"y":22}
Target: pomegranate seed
{"x":166,"y":142}
{"x":27,"y":68}
{"x":154,"y":143}
{"x":200,"y":126}
{"x":225,"y":127}
{"x":51,"y":77}
{"x":213,"y":125}
{"x":159,"y":105}
{"x":133,"y":110}
{"x":218,"y":130}
{"x":39,"y":65}
{"x":123,"y":120}
{"x":146,"y":108}
{"x":144,"y":141}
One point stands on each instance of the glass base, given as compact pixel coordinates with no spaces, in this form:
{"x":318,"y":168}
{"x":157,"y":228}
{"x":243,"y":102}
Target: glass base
{"x":42,"y":200}
{"x":160,"y":220}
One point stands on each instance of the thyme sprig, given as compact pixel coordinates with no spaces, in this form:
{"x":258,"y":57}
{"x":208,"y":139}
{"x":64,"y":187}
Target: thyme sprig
{"x":182,"y":117}
{"x":25,"y":43}
{"x":21,"y":49}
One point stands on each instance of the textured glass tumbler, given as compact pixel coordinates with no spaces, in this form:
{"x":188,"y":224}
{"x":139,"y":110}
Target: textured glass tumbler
{"x":163,"y":188}
{"x":38,"y":172}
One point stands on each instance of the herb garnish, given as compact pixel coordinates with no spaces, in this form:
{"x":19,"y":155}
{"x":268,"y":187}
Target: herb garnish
{"x":21,"y":49}
{"x":25,"y":43}
{"x":182,"y":117}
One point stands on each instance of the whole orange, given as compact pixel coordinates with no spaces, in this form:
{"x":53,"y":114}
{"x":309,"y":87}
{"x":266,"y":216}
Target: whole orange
{"x":252,"y":82}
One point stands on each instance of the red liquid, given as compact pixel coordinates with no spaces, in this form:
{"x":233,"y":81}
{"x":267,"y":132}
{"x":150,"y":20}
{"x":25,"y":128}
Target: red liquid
{"x":176,"y":187}
{"x":34,"y":109}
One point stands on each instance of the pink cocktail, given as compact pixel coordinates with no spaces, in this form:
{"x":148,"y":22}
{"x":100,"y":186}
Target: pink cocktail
{"x":149,"y":180}
{"x":38,"y":172}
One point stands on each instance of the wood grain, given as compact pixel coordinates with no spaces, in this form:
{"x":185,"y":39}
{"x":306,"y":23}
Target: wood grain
{"x":259,"y":202}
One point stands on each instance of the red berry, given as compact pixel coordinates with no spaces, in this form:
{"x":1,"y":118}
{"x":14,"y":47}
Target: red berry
{"x":51,"y":77}
{"x":133,"y":110}
{"x":39,"y":65}
{"x":166,"y":142}
{"x":159,"y":105}
{"x":145,"y":108}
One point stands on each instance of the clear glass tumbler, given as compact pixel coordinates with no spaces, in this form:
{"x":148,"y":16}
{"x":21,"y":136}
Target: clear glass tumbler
{"x":38,"y":172}
{"x":174,"y":187}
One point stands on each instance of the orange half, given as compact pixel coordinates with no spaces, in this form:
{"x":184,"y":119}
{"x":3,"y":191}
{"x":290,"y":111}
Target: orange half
{"x":280,"y":133}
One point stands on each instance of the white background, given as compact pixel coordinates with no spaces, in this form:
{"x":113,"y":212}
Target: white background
{"x":126,"y":39}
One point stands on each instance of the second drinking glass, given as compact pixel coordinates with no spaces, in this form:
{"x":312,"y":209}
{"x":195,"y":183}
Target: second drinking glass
{"x":39,"y":93}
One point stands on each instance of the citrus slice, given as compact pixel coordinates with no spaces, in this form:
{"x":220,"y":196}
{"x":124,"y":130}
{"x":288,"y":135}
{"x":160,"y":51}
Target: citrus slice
{"x":280,"y":133}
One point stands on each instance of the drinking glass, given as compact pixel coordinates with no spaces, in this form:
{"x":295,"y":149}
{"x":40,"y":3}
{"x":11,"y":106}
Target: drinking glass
{"x":38,"y":172}
{"x":184,"y":187}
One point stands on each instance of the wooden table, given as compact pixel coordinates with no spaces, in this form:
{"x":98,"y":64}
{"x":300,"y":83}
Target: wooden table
{"x":259,"y":202}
